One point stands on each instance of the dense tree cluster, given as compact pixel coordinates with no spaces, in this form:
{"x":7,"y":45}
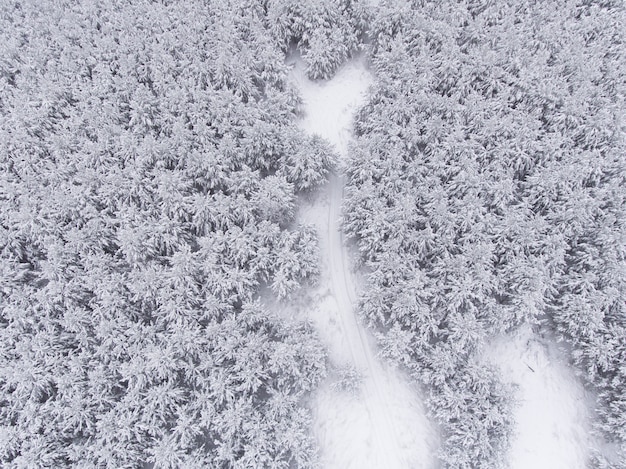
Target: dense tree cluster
{"x":326,"y":32}
{"x":148,"y":171}
{"x":486,"y":190}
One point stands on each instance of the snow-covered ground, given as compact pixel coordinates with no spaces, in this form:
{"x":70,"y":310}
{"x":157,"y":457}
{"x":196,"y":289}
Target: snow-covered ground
{"x":380,"y":423}
{"x":553,"y":421}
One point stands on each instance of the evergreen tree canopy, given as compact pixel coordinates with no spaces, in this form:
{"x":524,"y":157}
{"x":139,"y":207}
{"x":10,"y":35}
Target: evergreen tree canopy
{"x":148,"y":170}
{"x":486,"y":191}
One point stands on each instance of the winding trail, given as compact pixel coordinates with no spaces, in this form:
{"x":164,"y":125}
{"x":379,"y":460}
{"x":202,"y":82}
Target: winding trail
{"x":344,"y":291}
{"x":384,"y":424}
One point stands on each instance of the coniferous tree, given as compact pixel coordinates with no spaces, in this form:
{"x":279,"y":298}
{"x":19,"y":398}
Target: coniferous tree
{"x":481,"y":190}
{"x":148,"y":180}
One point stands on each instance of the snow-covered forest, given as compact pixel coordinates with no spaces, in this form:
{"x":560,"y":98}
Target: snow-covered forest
{"x":180,"y":287}
{"x":487,"y":191}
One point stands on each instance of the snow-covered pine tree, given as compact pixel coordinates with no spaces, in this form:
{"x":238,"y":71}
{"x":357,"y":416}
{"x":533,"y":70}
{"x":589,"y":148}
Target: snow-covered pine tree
{"x":145,"y":195}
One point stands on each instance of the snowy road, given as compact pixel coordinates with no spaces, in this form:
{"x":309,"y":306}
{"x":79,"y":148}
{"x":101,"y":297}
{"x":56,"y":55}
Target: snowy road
{"x":384,"y":424}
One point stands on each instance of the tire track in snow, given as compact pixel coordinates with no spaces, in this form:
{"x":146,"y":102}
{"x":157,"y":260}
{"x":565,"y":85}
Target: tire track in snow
{"x":389,"y":408}
{"x":345,"y":293}
{"x":344,"y":287}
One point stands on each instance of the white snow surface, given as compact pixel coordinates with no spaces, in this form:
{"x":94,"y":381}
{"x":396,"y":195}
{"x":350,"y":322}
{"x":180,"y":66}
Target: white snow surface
{"x":552,"y":417}
{"x":381,"y":424}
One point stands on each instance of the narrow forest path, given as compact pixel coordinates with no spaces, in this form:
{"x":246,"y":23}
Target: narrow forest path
{"x":382,"y":424}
